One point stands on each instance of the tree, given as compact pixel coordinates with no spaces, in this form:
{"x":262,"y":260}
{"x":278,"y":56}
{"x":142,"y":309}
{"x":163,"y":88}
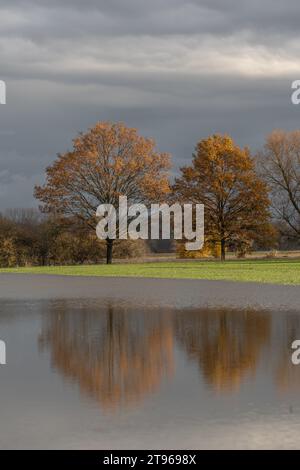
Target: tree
{"x":34,"y":236}
{"x":8,"y":253}
{"x":280,"y":164}
{"x":223,"y":178}
{"x":108,"y":161}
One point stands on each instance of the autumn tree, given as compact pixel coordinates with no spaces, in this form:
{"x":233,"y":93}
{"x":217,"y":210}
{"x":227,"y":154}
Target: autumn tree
{"x":34,"y":236}
{"x":8,"y":253}
{"x":280,"y":163}
{"x":108,"y":161}
{"x":222,"y":177}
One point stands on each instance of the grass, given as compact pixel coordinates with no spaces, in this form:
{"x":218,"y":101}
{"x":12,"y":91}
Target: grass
{"x":265,"y":271}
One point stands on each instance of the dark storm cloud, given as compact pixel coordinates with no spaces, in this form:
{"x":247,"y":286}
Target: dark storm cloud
{"x":178,"y":70}
{"x":42,"y":18}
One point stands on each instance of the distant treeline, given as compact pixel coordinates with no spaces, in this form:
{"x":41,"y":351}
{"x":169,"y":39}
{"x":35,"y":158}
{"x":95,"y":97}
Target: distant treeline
{"x":28,"y":237}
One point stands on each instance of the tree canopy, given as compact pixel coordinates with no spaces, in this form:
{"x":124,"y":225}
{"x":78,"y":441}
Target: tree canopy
{"x":222,"y":176}
{"x":108,"y":161}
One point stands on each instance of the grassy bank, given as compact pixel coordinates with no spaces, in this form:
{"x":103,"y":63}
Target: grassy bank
{"x":266,"y":271}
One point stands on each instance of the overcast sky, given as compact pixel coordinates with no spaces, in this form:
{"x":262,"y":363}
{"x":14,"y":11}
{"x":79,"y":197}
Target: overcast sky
{"x":178,"y":70}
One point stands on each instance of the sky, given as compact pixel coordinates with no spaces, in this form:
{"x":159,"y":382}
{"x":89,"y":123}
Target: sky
{"x":178,"y":70}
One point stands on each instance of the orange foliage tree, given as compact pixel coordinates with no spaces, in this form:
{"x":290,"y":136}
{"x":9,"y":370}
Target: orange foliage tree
{"x":222,"y":176}
{"x":108,"y":161}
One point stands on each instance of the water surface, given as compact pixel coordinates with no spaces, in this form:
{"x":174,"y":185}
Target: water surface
{"x":97,"y":374}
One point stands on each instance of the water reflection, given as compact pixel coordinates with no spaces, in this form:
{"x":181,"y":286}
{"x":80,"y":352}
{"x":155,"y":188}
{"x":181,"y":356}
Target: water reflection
{"x":89,"y":374}
{"x":117,"y":355}
{"x":225,"y":344}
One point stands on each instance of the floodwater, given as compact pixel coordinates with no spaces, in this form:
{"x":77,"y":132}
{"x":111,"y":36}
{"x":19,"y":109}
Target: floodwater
{"x":97,"y":374}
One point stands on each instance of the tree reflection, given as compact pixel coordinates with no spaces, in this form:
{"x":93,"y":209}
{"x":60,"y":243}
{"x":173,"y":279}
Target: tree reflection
{"x":226,"y":344}
{"x":117,"y":355}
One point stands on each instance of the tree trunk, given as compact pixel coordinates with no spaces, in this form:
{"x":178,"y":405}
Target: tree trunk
{"x":109,"y":251}
{"x":222,"y":249}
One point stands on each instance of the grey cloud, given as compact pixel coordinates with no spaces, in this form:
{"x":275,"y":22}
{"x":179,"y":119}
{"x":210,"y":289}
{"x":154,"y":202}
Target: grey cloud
{"x":43,"y":18}
{"x":178,"y":70}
